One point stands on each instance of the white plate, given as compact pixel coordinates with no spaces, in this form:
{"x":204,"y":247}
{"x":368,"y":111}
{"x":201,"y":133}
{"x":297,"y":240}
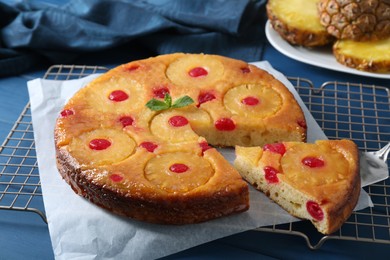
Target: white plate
{"x":320,"y":57}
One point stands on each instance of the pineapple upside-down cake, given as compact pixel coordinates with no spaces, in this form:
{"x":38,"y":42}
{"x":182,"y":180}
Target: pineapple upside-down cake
{"x":126,"y":142}
{"x":138,"y":140}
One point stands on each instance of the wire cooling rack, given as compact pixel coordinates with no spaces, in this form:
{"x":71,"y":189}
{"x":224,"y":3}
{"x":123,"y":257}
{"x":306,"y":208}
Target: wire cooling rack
{"x":360,"y":113}
{"x":343,"y":110}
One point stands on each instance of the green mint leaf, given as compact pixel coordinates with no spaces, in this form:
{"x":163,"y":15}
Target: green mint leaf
{"x":157,"y":105}
{"x":168,"y":99}
{"x":182,"y":102}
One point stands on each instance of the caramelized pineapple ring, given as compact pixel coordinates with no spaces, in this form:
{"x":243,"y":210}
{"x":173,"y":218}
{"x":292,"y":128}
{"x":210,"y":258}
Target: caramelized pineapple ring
{"x":313,"y":164}
{"x":195,"y":70}
{"x":179,"y":125}
{"x":252,"y":101}
{"x":178,"y":171}
{"x":119,"y":94}
{"x":101,"y":147}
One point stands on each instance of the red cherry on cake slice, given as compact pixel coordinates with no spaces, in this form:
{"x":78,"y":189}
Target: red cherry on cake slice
{"x":315,"y":210}
{"x":118,"y":96}
{"x":178,"y":121}
{"x":250,"y":101}
{"x":178,"y":168}
{"x":99,"y":144}
{"x":271,"y":174}
{"x":313,"y":162}
{"x":275,"y":148}
{"x":197,"y":72}
{"x":204,"y":146}
{"x":302,"y":123}
{"x":149,"y":146}
{"x":225,"y":124}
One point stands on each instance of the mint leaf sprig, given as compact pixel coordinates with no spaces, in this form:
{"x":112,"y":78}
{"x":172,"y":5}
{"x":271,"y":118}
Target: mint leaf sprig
{"x":158,"y":105}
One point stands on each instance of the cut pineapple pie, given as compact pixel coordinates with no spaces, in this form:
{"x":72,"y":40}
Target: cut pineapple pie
{"x":319,"y":182}
{"x":137,"y":140}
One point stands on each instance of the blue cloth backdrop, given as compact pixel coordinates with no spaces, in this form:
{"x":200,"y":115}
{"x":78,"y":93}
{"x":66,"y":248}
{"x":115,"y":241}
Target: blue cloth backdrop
{"x":47,"y":32}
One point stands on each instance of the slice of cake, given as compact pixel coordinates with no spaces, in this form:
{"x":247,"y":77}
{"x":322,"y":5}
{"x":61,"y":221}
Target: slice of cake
{"x":319,"y":182}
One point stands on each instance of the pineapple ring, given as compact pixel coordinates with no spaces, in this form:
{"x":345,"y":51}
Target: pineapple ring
{"x":161,"y":128}
{"x":266,"y":101}
{"x":178,"y":171}
{"x":100,"y":99}
{"x":119,"y":146}
{"x":332,"y":171}
{"x":179,"y":71}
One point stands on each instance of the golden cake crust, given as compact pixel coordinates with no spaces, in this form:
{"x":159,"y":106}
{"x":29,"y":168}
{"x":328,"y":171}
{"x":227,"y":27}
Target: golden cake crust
{"x":333,"y":188}
{"x":143,"y":202}
{"x":157,"y":166}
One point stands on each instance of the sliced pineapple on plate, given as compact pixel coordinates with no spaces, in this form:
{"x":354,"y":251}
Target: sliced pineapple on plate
{"x":298,"y":22}
{"x":371,"y":56}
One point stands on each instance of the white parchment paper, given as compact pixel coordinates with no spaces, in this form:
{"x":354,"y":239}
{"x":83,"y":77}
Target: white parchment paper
{"x":79,"y":229}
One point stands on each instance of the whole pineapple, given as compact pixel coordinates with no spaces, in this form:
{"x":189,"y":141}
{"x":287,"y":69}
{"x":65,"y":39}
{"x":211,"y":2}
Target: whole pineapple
{"x":358,"y":20}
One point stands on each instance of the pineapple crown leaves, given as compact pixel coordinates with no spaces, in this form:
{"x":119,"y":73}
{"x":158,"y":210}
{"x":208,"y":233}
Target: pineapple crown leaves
{"x":158,"y":105}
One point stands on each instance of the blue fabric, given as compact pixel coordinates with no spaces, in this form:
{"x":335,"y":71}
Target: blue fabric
{"x":34,"y":31}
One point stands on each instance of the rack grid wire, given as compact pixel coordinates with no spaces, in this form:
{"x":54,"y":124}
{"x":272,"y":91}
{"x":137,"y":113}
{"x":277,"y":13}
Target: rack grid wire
{"x":343,"y":110}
